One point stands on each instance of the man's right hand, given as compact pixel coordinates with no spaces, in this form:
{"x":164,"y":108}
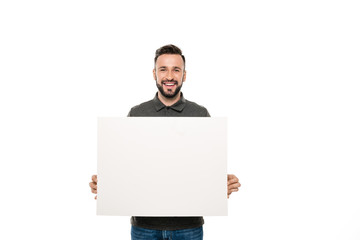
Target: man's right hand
{"x":93,"y":185}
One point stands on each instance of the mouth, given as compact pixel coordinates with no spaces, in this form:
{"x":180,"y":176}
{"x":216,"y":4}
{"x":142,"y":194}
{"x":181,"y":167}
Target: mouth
{"x":169,"y":85}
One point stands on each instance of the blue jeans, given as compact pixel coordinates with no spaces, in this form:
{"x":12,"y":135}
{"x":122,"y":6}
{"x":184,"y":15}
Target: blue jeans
{"x":138,"y":233}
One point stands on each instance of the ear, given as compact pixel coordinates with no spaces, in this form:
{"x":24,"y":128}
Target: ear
{"x":154,"y":74}
{"x":184,"y":76}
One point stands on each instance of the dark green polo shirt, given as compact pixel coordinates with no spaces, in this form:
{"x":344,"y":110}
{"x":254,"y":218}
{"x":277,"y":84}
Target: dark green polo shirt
{"x":155,"y":108}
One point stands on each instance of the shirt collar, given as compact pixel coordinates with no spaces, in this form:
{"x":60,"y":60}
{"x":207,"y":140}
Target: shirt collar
{"x":178,"y":106}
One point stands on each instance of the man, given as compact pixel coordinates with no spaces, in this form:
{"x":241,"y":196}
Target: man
{"x":169,"y":74}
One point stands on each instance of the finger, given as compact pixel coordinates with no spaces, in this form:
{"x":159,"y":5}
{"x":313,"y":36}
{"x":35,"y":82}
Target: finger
{"x":95,"y":197}
{"x":230,"y":176}
{"x":229,"y":189}
{"x":94,"y":191}
{"x":234,"y":185}
{"x":233,"y":180}
{"x":93,"y":185}
{"x":232,"y":190}
{"x":94,"y":178}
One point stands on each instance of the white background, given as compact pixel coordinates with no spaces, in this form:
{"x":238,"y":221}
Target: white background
{"x":285,"y":73}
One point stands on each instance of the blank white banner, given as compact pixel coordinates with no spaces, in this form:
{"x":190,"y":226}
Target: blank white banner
{"x":154,"y":166}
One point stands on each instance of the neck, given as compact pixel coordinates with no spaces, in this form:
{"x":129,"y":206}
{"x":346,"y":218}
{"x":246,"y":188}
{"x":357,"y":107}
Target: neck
{"x":169,"y":101}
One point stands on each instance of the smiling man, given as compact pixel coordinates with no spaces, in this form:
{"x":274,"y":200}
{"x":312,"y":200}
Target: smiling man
{"x":169,"y":74}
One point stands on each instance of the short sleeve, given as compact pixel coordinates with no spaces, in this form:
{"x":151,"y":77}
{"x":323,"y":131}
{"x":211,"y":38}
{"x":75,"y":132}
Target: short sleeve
{"x":207,"y":113}
{"x":129,"y":114}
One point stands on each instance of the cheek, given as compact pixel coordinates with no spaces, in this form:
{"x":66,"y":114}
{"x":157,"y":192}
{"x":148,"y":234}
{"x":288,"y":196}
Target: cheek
{"x":158,"y":78}
{"x":182,"y":77}
{"x":178,"y":76}
{"x":161,"y":76}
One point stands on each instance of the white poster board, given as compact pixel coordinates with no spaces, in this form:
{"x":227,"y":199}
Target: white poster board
{"x":155,"y":166}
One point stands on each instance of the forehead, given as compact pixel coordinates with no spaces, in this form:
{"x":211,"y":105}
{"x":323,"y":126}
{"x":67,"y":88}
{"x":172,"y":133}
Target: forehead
{"x":169,"y":60}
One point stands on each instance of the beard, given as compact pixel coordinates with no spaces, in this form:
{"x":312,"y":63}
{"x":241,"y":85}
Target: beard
{"x":168,"y":94}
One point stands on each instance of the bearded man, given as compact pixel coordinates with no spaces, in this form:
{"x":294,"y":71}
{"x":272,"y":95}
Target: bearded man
{"x":169,"y":74}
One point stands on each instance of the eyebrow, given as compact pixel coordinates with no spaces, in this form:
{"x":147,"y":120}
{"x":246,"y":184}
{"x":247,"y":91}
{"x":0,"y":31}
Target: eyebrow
{"x":173,"y":67}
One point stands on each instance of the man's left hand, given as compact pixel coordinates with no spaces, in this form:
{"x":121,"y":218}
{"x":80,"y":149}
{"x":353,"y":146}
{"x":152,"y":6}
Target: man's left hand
{"x":233,"y":184}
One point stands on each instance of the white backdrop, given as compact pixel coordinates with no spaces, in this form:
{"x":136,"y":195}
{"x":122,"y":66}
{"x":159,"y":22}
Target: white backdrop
{"x":285,"y":73}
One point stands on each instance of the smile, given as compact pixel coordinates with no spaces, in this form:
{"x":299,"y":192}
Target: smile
{"x":169,"y":84}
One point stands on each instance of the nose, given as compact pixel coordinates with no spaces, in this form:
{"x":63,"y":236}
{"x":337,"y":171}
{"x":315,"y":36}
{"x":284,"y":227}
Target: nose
{"x":169,"y":76}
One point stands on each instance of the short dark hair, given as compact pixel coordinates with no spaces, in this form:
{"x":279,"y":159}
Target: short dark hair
{"x":168,"y":49}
